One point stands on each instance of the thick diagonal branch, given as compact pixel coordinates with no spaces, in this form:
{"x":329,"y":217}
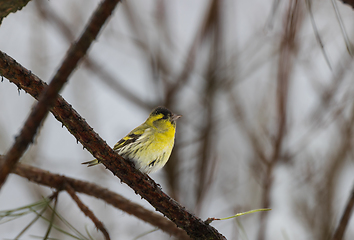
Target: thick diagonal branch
{"x":140,"y":183}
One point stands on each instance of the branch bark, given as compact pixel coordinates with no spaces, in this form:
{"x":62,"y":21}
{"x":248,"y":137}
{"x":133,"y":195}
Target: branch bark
{"x":7,"y":7}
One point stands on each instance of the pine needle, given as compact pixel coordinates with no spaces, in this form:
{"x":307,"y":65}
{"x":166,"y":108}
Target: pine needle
{"x":209,"y":220}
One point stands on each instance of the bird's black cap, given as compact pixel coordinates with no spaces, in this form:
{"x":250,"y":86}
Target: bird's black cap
{"x":162,"y":110}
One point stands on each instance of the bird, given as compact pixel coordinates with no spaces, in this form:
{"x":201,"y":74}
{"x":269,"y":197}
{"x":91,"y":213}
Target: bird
{"x":149,"y":145}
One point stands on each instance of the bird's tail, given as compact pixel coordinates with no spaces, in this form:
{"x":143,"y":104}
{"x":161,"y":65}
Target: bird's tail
{"x":92,"y":163}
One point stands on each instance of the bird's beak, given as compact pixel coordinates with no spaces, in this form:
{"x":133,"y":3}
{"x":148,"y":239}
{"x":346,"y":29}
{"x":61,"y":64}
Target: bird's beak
{"x":175,"y":117}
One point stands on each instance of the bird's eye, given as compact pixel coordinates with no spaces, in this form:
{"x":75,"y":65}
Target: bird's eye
{"x":164,"y":116}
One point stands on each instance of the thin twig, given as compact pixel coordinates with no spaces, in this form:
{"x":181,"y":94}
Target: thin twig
{"x":342,"y":28}
{"x":99,"y":225}
{"x":40,"y":111}
{"x":317,"y":35}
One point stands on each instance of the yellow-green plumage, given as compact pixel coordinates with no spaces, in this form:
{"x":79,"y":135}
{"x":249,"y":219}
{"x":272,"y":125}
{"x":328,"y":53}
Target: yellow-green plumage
{"x":149,"y":145}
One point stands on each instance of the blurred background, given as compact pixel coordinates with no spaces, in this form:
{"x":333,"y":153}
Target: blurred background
{"x":265,"y":89}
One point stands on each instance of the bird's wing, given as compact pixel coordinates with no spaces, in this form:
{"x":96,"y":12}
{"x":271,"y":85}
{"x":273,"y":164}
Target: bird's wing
{"x":132,"y":137}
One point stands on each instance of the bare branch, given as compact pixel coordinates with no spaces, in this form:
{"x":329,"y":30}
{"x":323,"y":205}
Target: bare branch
{"x":57,"y":181}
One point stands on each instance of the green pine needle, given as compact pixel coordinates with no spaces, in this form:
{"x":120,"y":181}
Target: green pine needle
{"x":38,"y":208}
{"x":209,"y":220}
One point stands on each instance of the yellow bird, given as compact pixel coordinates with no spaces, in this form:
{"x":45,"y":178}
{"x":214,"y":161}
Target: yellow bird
{"x":149,"y":145}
